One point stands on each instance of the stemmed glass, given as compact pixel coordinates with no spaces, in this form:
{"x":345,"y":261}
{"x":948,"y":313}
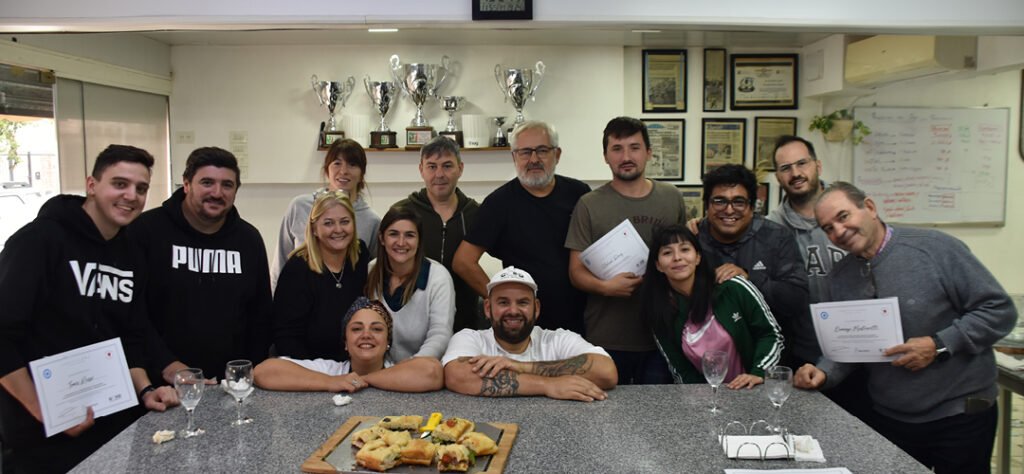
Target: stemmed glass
{"x":715,"y":364}
{"x":778,"y":382}
{"x":238,"y":375}
{"x":190,"y":385}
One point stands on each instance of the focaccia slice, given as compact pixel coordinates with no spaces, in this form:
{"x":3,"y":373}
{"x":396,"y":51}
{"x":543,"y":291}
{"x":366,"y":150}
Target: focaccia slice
{"x":451,"y":429}
{"x":363,"y":436}
{"x":408,"y":423}
{"x":454,"y":458}
{"x":479,"y":443}
{"x":379,"y":458}
{"x":396,"y":438}
{"x":418,"y":451}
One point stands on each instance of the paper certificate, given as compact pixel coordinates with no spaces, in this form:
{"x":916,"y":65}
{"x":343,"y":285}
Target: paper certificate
{"x":95,"y":375}
{"x":621,"y":250}
{"x":858,"y":331}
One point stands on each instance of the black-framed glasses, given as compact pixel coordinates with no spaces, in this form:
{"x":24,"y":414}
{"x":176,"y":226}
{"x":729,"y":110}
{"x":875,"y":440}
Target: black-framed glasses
{"x":798,"y":164}
{"x":525,"y":153}
{"x":720,"y":203}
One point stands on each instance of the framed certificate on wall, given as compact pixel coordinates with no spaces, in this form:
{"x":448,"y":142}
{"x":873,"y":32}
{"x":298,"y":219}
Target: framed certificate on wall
{"x":764,"y":81}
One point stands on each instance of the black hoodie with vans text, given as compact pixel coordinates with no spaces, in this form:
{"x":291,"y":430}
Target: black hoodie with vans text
{"x":63,"y":286}
{"x":209,"y":300}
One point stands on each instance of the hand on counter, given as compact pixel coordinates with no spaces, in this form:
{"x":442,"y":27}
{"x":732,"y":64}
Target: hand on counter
{"x":573,"y":387}
{"x":809,"y":377}
{"x":747,"y":381}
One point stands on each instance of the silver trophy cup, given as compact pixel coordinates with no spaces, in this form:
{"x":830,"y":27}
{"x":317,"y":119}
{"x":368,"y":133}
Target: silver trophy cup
{"x":383,"y":95}
{"x":519,"y":85}
{"x":332,"y":93}
{"x":421,"y":82}
{"x":452,"y":104}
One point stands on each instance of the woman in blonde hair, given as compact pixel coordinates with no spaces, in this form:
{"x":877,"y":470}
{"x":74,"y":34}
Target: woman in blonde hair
{"x":321,"y":279}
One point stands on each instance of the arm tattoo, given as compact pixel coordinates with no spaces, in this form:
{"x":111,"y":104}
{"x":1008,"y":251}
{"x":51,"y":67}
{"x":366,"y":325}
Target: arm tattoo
{"x":578,"y":365}
{"x":505,"y":384}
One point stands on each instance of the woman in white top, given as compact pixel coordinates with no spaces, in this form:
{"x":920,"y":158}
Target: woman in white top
{"x":416,"y":290}
{"x":344,"y":169}
{"x":368,"y":336}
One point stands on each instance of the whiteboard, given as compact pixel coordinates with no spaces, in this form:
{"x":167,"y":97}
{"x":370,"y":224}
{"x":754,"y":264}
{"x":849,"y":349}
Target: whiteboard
{"x":934,"y":165}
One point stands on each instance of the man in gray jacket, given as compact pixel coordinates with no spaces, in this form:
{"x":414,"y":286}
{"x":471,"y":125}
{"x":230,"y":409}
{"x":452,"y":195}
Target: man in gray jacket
{"x":936,"y":400}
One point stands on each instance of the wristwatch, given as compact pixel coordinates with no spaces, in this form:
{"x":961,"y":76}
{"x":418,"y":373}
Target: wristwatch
{"x":941,"y":351}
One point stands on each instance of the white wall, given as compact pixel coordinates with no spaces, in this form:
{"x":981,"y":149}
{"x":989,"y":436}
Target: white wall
{"x":998,"y":248}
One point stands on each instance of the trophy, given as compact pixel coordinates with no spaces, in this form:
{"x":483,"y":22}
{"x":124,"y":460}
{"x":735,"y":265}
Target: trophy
{"x":421,"y":82}
{"x":452,"y":104}
{"x":519,"y":85}
{"x":499,"y":139}
{"x":330,"y":94}
{"x":383,"y":95}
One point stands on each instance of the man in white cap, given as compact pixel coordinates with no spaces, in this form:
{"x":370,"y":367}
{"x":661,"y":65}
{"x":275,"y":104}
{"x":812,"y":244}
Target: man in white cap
{"x":515,"y":358}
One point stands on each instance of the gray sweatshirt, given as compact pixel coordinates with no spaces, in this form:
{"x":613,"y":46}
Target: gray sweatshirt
{"x":943,"y":290}
{"x":818,"y":253}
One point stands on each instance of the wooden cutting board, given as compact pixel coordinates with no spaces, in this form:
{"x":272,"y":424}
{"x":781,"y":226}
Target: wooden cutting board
{"x":317,"y":462}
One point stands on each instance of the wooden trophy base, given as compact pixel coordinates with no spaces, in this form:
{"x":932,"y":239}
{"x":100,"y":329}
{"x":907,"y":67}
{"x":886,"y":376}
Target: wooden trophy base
{"x":456,"y":137}
{"x":329,"y":137}
{"x":381,"y":140}
{"x":416,"y":137}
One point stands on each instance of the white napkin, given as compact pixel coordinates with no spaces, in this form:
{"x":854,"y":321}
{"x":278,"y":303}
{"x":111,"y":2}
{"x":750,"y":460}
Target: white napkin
{"x":808,"y":449}
{"x":803,"y":448}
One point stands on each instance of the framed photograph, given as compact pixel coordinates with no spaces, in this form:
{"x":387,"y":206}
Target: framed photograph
{"x":764,"y":81}
{"x":502,"y":10}
{"x":664,"y":80}
{"x":767,"y":131}
{"x":668,"y":145}
{"x":693,"y":199}
{"x":714,"y":80}
{"x":761,"y":205}
{"x":722,"y":143}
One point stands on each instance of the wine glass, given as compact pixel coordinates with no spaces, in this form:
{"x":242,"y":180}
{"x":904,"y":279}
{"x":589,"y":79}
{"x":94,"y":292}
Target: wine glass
{"x":778,"y":383}
{"x":238,"y":375}
{"x":715,"y":364}
{"x":190,"y":385}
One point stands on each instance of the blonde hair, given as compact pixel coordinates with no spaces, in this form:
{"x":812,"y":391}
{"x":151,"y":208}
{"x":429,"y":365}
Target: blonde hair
{"x":311,"y":252}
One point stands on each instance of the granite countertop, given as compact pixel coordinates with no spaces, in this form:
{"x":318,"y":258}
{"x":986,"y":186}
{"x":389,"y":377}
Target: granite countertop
{"x":665,"y":428}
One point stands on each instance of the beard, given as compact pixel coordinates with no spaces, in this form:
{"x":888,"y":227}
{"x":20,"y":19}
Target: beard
{"x":531,"y":181}
{"x":629,"y":176}
{"x":513,"y":336}
{"x":812,"y":192}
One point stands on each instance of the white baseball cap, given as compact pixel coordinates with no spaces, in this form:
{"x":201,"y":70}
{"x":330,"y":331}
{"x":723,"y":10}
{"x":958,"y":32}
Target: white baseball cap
{"x":512,"y":275}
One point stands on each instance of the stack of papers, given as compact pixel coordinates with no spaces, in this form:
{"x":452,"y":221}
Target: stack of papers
{"x":621,"y":250}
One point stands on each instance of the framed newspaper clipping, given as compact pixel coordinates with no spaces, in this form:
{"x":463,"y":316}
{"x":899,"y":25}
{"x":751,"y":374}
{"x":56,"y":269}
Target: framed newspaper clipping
{"x":767,"y":131}
{"x":693,"y":199}
{"x":668,"y":142}
{"x":664,"y":80}
{"x":722,"y":143}
{"x":714,"y":80}
{"x":764,"y":81}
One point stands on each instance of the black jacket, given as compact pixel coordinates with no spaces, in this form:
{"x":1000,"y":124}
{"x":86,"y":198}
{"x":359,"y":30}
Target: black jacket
{"x":210,"y":299}
{"x":440,"y":240}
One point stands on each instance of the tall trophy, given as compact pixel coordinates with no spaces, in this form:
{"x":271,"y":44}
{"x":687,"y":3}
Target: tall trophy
{"x":421,"y":82}
{"x":330,"y":94}
{"x":383,"y":95}
{"x":452,"y":104}
{"x":519,"y":85}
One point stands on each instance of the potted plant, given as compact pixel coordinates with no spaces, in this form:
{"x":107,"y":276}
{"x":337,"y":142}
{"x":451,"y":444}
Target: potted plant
{"x":840,"y":125}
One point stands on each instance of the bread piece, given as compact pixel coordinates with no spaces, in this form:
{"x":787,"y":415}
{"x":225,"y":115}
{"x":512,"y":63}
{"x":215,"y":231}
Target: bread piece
{"x":396,"y":438}
{"x":453,"y":458}
{"x":479,"y":443}
{"x":451,"y":429}
{"x":363,"y":436}
{"x":418,"y":451}
{"x":379,"y":459}
{"x":409,"y":423}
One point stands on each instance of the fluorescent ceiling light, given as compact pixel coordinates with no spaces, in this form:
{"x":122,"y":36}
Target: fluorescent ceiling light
{"x":382,"y":30}
{"x":646,"y":31}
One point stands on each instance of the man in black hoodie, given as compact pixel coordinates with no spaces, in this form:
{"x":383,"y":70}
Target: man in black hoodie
{"x":69,"y":279}
{"x":446,"y":214}
{"x":210,"y":302}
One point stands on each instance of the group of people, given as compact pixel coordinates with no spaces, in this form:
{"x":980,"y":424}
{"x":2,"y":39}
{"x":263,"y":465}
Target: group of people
{"x":402,"y":303}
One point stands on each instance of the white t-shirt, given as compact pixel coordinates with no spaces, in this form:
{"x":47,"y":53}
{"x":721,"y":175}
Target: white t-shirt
{"x":327,"y":366}
{"x":545,"y":345}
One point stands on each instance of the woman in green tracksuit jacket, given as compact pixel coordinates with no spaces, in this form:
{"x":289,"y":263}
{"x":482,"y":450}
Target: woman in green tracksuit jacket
{"x":680,"y":288}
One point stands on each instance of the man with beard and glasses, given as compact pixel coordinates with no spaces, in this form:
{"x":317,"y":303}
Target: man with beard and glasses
{"x":514,"y":358}
{"x":210,"y":298}
{"x":936,"y":399}
{"x":446,"y":214}
{"x":524,"y":222}
{"x":740,"y":243}
{"x":612,"y":314}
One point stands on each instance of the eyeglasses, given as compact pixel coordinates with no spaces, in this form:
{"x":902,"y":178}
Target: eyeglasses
{"x":525,"y":153}
{"x":799,"y":164}
{"x":720,"y":203}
